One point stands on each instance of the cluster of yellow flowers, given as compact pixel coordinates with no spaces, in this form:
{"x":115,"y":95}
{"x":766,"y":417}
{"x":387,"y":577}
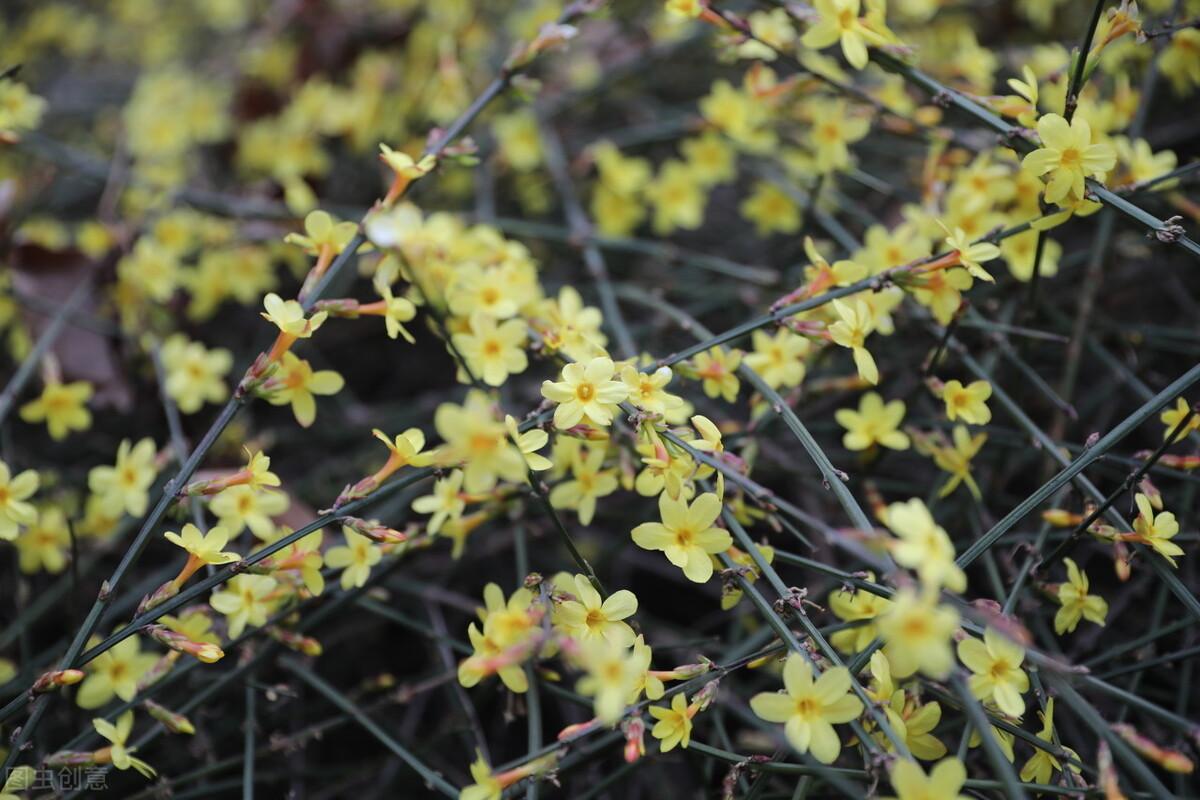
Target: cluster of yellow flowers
{"x":609,"y":424}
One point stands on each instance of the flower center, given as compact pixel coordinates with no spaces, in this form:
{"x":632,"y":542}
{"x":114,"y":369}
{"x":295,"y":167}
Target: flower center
{"x":1071,"y":157}
{"x":585,"y":392}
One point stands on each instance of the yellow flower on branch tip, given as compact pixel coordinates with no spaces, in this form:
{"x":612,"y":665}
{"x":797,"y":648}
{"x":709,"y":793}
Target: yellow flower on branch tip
{"x":588,"y":616}
{"x":809,"y":709}
{"x":924,"y":546}
{"x":1068,"y":155}
{"x":873,"y":423}
{"x":404,"y":449}
{"x":647,"y":390}
{"x":245,"y":600}
{"x":839,"y":20}
{"x":1172,"y":417}
{"x":295,"y":383}
{"x":916,"y":632}
{"x":204,"y":547}
{"x":289,"y":316}
{"x":355,"y":558}
{"x":1076,"y":602}
{"x":996,"y":664}
{"x":944,"y":781}
{"x":14,"y":491}
{"x":686,"y":534}
{"x":241,"y":507}
{"x":674,"y":726}
{"x":320,"y":231}
{"x":1156,"y":531}
{"x":717,"y":368}
{"x":62,"y":406}
{"x":779,"y":359}
{"x":492,"y":351}
{"x":971,"y":255}
{"x":125,"y":486}
{"x":116,"y":671}
{"x":968,"y":403}
{"x":120,"y":755}
{"x":586,"y":393}
{"x":258,"y":467}
{"x":851,"y":331}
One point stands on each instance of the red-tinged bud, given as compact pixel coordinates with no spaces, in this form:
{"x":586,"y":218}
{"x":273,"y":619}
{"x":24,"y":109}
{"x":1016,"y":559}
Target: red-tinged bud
{"x":1168,"y":759}
{"x":578,"y":729}
{"x":174,"y":723}
{"x":1121,"y":561}
{"x":702,"y":699}
{"x":551,"y":36}
{"x":1178,"y":462}
{"x":158,"y":596}
{"x":1061,"y":518}
{"x":374,"y":530}
{"x":1108,"y":781}
{"x":635,"y":742}
{"x":295,"y":641}
{"x":56,"y":679}
{"x":1147,"y":487}
{"x":207,"y":652}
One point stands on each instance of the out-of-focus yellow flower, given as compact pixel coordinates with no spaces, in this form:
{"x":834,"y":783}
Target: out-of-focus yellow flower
{"x":492,"y":352}
{"x":245,"y":600}
{"x":195,"y":375}
{"x":851,"y":331}
{"x":14,"y":492}
{"x":838,"y":20}
{"x":354,"y":559}
{"x":944,"y":781}
{"x":589,"y":482}
{"x":873,"y":423}
{"x":62,"y":406}
{"x":924,"y":546}
{"x":116,"y":671}
{"x":968,"y":403}
{"x":241,"y":507}
{"x":917,"y":634}
{"x":43,"y":546}
{"x":779,"y":359}
{"x":125,"y":486}
{"x":717,"y":368}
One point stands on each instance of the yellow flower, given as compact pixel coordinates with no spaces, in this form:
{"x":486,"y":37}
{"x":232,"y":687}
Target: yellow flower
{"x":944,"y":781}
{"x":320,"y":232}
{"x":485,"y":787}
{"x":125,"y":487}
{"x":647,"y":390}
{"x":1171,"y":417}
{"x":588,"y":616}
{"x":779,"y":359}
{"x":396,"y":311}
{"x":996,"y":664}
{"x":909,"y":720}
{"x":941,"y":292}
{"x":956,"y":460}
{"x":717,"y":369}
{"x":917,"y":632}
{"x":529,"y":443}
{"x":833,"y":129}
{"x":809,"y":709}
{"x":20,"y":109}
{"x":924,"y":546}
{"x":873,"y":423}
{"x":674,"y":726}
{"x":970,"y":255}
{"x":116,"y":671}
{"x":688,"y":9}
{"x":851,"y":331}
{"x":573,"y":327}
{"x":678,"y":198}
{"x":589,"y":483}
{"x":968,"y":403}
{"x":1076,"y":602}
{"x":204,"y":547}
{"x":1022,"y":105}
{"x":492,"y":352}
{"x":1068,"y":155}
{"x":686,"y":534}
{"x":120,"y":755}
{"x":296,"y":383}
{"x":355,"y":558}
{"x":62,"y":407}
{"x":446,"y":502}
{"x":771,"y":210}
{"x":1042,"y":765}
{"x":195,"y":375}
{"x":1156,"y":532}
{"x":14,"y":491}
{"x":710,"y":157}
{"x":613,"y":674}
{"x":241,"y":507}
{"x":289,"y":317}
{"x":586,"y":394}
{"x":479,"y":442}
{"x":857,"y":606}
{"x":152,"y":268}
{"x":839,"y":20}
{"x":44,"y":544}
{"x":245,"y":600}
{"x":518,"y":139}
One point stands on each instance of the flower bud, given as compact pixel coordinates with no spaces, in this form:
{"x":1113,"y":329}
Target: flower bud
{"x":56,"y":679}
{"x":207,"y":652}
{"x":174,"y":723}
